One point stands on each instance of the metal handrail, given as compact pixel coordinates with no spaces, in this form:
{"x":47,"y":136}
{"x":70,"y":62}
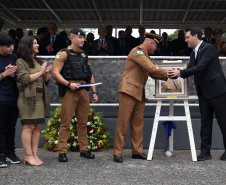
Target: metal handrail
{"x":117,"y":104}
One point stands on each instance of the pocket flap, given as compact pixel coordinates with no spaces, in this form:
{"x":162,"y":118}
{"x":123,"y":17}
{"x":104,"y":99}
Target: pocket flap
{"x":133,"y":82}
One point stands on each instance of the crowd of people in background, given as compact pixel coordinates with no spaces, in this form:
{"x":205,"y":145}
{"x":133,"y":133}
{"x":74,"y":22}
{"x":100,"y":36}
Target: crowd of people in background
{"x":50,"y":42}
{"x":33,"y":75}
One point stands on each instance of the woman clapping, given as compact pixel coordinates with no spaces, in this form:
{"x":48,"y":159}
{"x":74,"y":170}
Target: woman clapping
{"x":33,"y":76}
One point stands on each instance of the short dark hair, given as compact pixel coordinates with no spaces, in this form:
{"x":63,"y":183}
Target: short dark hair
{"x":195,"y":30}
{"x":63,"y":33}
{"x":109,"y":26}
{"x":41,"y":31}
{"x":19,"y":29}
{"x":5,"y":39}
{"x":120,"y":32}
{"x":208,"y":28}
{"x":12,"y":31}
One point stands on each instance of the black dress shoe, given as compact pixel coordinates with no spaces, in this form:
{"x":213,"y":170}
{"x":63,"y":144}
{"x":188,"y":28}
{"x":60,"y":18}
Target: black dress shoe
{"x":223,"y":157}
{"x":203,"y":157}
{"x":139,"y":156}
{"x":118,"y":159}
{"x":63,"y":158}
{"x":87,"y":154}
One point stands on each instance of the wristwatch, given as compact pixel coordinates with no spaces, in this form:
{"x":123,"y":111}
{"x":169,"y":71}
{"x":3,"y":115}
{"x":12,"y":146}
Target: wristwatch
{"x":95,"y":93}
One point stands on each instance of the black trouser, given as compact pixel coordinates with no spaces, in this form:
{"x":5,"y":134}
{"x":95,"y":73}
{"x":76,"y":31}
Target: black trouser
{"x":8,"y":118}
{"x":208,"y":107}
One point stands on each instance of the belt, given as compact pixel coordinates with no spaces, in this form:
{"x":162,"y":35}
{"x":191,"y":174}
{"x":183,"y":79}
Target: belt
{"x":39,"y":90}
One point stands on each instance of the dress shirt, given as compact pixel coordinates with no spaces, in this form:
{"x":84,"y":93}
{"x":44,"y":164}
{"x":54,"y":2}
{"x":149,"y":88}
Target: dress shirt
{"x":52,"y":39}
{"x":102,"y":40}
{"x":197,"y":48}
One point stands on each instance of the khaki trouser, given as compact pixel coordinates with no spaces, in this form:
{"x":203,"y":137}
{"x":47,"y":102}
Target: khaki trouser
{"x":131,"y":110}
{"x":74,"y":102}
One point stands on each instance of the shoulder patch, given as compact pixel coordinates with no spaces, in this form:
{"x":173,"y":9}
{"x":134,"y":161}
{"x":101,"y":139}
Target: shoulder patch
{"x":140,"y":52}
{"x":83,"y":55}
{"x":57,"y":56}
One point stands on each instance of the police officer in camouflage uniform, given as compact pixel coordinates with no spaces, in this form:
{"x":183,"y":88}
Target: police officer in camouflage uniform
{"x":70,"y":69}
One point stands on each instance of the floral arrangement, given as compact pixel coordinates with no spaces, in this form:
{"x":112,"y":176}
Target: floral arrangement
{"x":98,"y":136}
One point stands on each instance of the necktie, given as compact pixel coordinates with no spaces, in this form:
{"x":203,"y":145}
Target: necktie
{"x":193,"y":57}
{"x":52,"y":40}
{"x":102,"y":41}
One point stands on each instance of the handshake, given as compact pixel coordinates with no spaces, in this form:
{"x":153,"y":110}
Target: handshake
{"x":173,"y":73}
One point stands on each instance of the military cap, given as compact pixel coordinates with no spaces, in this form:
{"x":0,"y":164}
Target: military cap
{"x":77,"y":31}
{"x":155,"y":37}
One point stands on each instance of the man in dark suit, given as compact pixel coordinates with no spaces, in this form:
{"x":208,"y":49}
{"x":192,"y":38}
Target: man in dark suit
{"x":210,"y":84}
{"x":41,"y":36}
{"x":87,"y":44}
{"x":110,"y":38}
{"x":140,"y":39}
{"x":102,"y":46}
{"x":54,"y":43}
{"x":19,"y":35}
{"x":165,"y":46}
{"x":179,"y":46}
{"x":121,"y":44}
{"x":64,"y":35}
{"x":208,"y":35}
{"x":132,"y":42}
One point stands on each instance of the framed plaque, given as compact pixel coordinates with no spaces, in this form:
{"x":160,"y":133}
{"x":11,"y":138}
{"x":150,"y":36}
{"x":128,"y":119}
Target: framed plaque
{"x":172,"y":88}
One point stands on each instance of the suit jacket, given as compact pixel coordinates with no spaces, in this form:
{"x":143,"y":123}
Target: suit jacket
{"x":131,"y":43}
{"x":119,"y":51}
{"x":211,"y":40}
{"x":139,"y":40}
{"x":59,"y":44}
{"x":138,"y":67}
{"x":180,"y":47}
{"x":42,"y":50}
{"x":165,"y":48}
{"x":208,"y":75}
{"x":114,"y":41}
{"x":102,"y":52}
{"x":86,"y":47}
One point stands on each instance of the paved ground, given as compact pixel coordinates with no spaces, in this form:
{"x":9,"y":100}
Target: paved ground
{"x":177,"y":169}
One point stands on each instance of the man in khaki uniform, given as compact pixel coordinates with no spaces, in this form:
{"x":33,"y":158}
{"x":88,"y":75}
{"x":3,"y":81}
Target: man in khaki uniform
{"x":138,"y":67}
{"x":70,"y":69}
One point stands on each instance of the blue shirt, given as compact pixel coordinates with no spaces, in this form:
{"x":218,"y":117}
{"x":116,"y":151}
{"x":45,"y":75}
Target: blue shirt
{"x":8,"y":87}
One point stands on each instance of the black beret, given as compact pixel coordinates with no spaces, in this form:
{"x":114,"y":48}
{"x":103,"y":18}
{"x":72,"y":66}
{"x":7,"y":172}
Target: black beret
{"x":155,"y":37}
{"x":77,"y":31}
